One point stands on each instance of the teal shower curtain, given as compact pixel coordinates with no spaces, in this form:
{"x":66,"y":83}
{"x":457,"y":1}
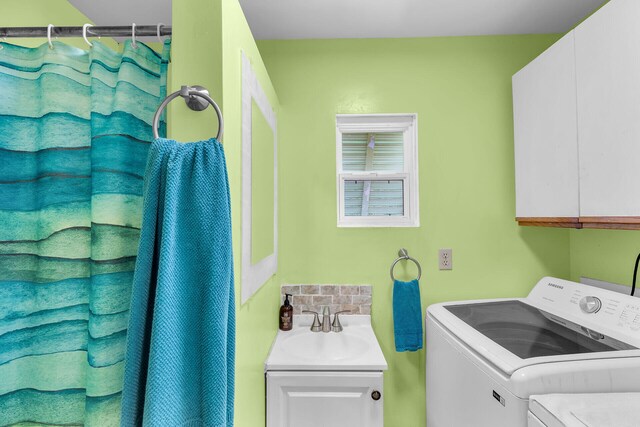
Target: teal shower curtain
{"x":75,"y":128}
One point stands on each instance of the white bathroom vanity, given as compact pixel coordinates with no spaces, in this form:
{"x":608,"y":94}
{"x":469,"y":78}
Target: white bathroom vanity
{"x":316,"y":379}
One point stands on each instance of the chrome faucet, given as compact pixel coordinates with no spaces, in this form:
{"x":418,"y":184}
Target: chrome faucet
{"x":326,"y":319}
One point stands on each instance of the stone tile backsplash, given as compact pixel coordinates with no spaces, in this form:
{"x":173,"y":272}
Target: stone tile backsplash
{"x":355,"y":298}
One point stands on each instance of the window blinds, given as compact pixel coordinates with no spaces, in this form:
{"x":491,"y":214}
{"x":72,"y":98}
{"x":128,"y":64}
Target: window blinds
{"x":388,"y":152}
{"x":386,"y":198}
{"x":373,"y":152}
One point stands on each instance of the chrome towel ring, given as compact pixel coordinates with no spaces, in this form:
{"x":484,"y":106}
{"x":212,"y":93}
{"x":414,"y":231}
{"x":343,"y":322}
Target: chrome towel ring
{"x":197,"y":98}
{"x":403,"y":254}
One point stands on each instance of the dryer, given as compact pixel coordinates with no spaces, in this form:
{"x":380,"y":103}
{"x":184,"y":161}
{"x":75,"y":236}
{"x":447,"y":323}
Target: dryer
{"x":485,"y":358}
{"x":584,"y":410}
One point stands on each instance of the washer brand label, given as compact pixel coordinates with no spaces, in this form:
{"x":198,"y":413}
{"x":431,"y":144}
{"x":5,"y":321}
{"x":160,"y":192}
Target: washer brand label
{"x":497,"y":397}
{"x":553,"y":285}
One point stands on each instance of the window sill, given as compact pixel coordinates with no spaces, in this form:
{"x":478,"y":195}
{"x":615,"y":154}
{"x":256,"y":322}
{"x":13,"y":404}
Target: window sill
{"x":378,"y":223}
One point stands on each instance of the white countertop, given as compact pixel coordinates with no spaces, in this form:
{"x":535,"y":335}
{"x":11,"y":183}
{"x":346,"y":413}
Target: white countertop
{"x":356,"y":348}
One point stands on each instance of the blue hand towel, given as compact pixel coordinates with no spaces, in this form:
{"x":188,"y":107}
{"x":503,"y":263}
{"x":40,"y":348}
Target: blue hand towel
{"x":179,"y":364}
{"x":407,"y":316}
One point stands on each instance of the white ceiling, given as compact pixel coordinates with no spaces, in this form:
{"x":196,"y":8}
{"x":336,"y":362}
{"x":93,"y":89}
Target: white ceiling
{"x":126,"y":12}
{"x":294,"y":19}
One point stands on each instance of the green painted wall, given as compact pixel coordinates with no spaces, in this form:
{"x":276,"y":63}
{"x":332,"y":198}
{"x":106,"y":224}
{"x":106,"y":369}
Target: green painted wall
{"x":257,"y":319}
{"x":262,"y":185}
{"x":196,"y":59}
{"x":461,"y":90}
{"x":604,"y":254}
{"x":211,"y":58}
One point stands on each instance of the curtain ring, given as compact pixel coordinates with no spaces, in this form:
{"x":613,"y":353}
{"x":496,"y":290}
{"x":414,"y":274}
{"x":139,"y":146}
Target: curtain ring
{"x":4,"y":39}
{"x":134,"y":44}
{"x":49,"y":28}
{"x":84,"y":34}
{"x":160,"y":25}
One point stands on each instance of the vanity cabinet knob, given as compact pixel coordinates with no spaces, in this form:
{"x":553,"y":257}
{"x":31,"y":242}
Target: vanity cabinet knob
{"x":376,"y":395}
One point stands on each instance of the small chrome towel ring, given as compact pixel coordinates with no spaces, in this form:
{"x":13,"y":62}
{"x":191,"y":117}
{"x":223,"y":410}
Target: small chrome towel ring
{"x":403,"y":254}
{"x":190,"y":95}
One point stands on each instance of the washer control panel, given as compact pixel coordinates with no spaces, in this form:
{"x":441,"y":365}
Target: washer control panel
{"x":590,"y":304}
{"x":600,"y":311}
{"x":630,"y":316}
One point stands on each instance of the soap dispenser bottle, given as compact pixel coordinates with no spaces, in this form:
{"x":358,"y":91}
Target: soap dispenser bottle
{"x":286,"y":314}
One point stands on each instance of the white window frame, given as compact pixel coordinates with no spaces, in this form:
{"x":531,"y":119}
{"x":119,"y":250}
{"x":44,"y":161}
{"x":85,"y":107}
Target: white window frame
{"x":374,"y":123}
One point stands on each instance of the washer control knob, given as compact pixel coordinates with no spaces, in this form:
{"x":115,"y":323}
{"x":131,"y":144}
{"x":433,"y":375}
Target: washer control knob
{"x":590,"y":304}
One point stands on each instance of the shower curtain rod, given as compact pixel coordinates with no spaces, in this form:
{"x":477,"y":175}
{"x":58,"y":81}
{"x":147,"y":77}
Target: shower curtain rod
{"x":96,"y":31}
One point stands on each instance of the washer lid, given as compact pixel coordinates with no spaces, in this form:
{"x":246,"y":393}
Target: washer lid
{"x":548,"y":326}
{"x":528,"y":332}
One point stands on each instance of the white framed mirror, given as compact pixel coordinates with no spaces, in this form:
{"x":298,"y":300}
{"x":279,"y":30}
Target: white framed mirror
{"x":259,"y":185}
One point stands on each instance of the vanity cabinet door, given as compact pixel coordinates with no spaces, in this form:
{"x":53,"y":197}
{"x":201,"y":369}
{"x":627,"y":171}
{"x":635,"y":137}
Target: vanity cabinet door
{"x":546,"y":137}
{"x":322,"y":399}
{"x":608,"y":82}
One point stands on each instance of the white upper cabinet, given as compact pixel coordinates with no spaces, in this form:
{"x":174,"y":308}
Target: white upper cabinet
{"x":577,"y":126}
{"x":546,"y":140}
{"x":608,"y":90}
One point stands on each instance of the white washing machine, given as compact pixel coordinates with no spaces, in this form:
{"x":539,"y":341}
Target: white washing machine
{"x":486,"y":358}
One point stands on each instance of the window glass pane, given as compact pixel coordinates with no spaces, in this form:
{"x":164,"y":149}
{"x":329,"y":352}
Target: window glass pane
{"x":374,"y":198}
{"x":373,"y":152}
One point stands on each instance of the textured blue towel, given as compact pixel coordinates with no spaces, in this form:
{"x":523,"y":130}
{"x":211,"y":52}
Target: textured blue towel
{"x":179,"y":365}
{"x":407,"y":316}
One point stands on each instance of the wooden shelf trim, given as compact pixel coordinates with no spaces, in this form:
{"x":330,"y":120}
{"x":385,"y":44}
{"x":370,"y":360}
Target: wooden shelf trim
{"x":600,"y":222}
{"x":611,"y":222}
{"x":559,"y":222}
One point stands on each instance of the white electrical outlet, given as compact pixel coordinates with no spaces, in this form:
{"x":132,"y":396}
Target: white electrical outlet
{"x":445,"y":259}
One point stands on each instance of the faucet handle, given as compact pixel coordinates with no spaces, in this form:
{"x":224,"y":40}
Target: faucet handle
{"x":336,"y":326}
{"x":315,"y":326}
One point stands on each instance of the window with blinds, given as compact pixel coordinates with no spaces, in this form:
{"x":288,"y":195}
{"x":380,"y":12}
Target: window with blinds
{"x":373,"y":152}
{"x":377,"y":170}
{"x":374,"y":198}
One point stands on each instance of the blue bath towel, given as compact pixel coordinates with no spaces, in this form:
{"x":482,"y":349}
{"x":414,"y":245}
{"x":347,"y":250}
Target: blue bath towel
{"x":407,"y":316}
{"x":179,"y":365}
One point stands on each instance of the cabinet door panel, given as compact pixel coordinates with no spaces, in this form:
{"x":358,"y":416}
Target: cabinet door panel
{"x":545,"y":131}
{"x":608,"y":83}
{"x":323,"y":399}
